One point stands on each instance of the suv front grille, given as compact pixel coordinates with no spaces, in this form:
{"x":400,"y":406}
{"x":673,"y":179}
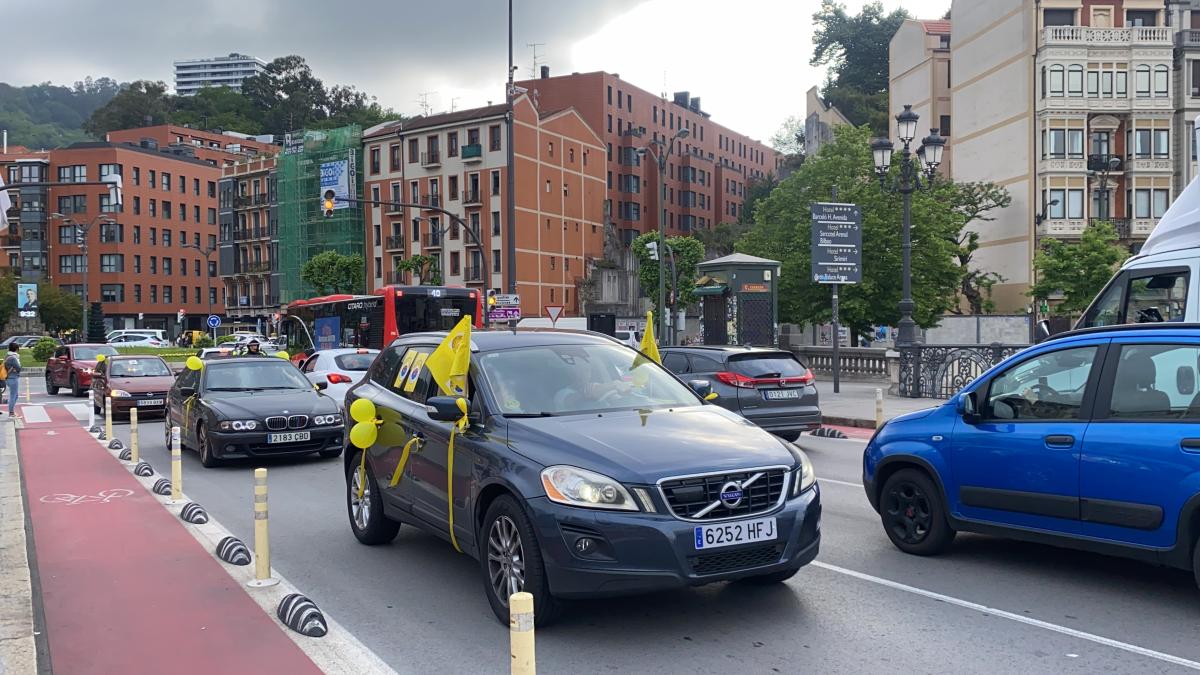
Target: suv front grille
{"x":729,"y":561}
{"x":277,"y":423}
{"x":693,"y":498}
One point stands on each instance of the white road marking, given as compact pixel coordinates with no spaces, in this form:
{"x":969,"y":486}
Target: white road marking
{"x":78,"y":410}
{"x":34,"y":414}
{"x":1029,"y":621}
{"x":840,"y":482}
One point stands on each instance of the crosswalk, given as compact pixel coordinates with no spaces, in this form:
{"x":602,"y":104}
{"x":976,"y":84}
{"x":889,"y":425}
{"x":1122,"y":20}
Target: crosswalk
{"x":36,"y":414}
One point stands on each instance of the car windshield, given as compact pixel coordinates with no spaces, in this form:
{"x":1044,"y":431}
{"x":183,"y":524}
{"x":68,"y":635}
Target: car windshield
{"x":766,"y":365}
{"x":253,"y":376}
{"x":570,"y":379}
{"x":355,"y":362}
{"x":90,"y":353}
{"x":140,"y":368}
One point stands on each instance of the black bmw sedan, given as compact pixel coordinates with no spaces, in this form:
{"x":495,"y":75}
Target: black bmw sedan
{"x":252,"y":407}
{"x":584,"y":470}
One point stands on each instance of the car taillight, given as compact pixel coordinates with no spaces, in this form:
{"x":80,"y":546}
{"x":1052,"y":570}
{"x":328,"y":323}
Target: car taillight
{"x":735,"y":380}
{"x":338,"y":378}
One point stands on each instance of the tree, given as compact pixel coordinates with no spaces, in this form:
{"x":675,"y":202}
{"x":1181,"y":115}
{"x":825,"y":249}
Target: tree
{"x":789,"y":139}
{"x":721,"y":239}
{"x":8,"y":297}
{"x":856,"y":50}
{"x":1078,"y":271}
{"x":332,"y":272}
{"x":136,"y":105}
{"x":973,"y":202}
{"x":688,"y":252}
{"x":425,"y":267}
{"x":217,"y":108}
{"x":58,"y":309}
{"x":95,"y":327}
{"x":288,"y":93}
{"x":782,"y":231}
{"x":47,"y":115}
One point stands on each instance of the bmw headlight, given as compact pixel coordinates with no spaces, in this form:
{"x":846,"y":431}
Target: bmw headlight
{"x":239,"y":425}
{"x":118,"y":393}
{"x":327,"y":420}
{"x":578,"y":487}
{"x":804,"y":477}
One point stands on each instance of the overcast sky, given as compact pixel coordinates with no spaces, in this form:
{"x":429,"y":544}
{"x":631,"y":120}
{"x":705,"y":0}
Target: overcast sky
{"x":746,"y":59}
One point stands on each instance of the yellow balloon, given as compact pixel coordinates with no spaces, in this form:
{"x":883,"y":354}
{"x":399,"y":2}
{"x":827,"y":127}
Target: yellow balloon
{"x":362,"y":410}
{"x":194,"y":363}
{"x":283,"y":355}
{"x":363,"y":435}
{"x":712,"y":396}
{"x":99,"y":358}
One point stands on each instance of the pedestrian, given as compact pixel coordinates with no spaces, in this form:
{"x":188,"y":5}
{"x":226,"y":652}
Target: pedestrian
{"x":12,"y":364}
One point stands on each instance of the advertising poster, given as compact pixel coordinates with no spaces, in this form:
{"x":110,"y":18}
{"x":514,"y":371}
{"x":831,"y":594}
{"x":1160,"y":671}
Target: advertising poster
{"x":335,"y":176}
{"x":27,"y":301}
{"x":328,"y":330}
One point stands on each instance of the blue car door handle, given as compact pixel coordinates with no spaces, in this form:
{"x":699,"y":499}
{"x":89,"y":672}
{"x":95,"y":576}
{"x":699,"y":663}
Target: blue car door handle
{"x":1191,"y":444}
{"x":1060,"y":441}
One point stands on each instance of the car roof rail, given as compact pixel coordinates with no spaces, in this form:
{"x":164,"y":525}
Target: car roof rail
{"x":1099,"y":330}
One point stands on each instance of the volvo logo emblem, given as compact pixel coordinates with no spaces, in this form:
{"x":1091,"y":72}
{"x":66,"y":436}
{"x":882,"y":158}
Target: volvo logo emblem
{"x":731,"y":494}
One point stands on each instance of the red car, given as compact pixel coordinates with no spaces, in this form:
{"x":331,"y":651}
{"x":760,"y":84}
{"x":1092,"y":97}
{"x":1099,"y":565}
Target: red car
{"x":72,"y":367}
{"x":140,"y":382}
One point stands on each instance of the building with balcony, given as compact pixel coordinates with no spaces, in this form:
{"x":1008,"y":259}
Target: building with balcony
{"x":1078,"y":109}
{"x":215,"y":147}
{"x":192,"y":75}
{"x":248,"y":256}
{"x":20,"y":165}
{"x":458,"y":162}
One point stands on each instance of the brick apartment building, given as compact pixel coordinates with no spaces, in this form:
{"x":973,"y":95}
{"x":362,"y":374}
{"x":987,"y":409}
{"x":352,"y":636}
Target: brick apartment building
{"x":216,"y":147}
{"x":19,"y":164}
{"x":248,"y":213}
{"x":458,"y":161}
{"x":706,"y":172}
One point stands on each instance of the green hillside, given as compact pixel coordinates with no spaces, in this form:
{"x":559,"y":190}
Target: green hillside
{"x":48,"y":115}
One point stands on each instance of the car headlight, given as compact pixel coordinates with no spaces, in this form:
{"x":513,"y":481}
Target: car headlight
{"x":86,"y":371}
{"x":578,"y":487}
{"x":239,"y":425}
{"x":327,"y":420}
{"x":118,"y":393}
{"x":804,"y":477}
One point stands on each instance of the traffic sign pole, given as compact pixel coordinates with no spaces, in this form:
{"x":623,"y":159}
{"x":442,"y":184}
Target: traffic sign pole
{"x":213,"y":322}
{"x":836,"y":258}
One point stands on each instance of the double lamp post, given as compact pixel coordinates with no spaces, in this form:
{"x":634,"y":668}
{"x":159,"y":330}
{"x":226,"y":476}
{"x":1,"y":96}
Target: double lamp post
{"x":662,"y":151}
{"x":82,"y":230}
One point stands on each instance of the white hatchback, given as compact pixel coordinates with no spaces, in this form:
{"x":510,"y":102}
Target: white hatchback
{"x":341,"y":368}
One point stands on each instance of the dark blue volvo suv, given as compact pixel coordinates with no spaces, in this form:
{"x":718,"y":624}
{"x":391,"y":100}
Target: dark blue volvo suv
{"x":585,"y":470}
{"x":1090,"y":440}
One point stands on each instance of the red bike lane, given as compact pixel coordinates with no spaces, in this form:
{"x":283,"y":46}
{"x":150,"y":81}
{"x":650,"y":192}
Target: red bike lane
{"x":124,"y":587}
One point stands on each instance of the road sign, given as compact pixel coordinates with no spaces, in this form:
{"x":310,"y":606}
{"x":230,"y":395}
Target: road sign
{"x":507,"y":300}
{"x":836,"y":243}
{"x":502,"y":314}
{"x":214,"y":321}
{"x":554,"y":311}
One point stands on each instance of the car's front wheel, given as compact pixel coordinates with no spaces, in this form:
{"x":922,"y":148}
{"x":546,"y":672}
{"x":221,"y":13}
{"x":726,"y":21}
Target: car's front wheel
{"x":914,"y":515}
{"x":51,"y":388}
{"x":76,"y":390}
{"x":364,"y":505}
{"x":208,"y":458}
{"x":511,"y":562}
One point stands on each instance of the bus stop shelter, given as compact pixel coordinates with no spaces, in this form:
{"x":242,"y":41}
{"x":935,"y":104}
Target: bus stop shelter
{"x":739,"y":295}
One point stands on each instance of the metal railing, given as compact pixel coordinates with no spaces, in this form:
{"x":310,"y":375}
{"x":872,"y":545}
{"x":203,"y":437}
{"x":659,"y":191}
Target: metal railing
{"x":431,"y":158}
{"x":940,"y":371}
{"x":434,"y":201}
{"x":471,"y":151}
{"x":395,"y":242}
{"x":471,"y":197}
{"x":472,"y":273}
{"x":1105,"y":163}
{"x":1124,"y":225}
{"x":869,"y":363}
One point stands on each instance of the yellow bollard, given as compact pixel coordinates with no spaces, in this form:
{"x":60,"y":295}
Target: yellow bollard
{"x":520,"y":631}
{"x":878,"y":408}
{"x":262,"y":546}
{"x":108,"y":417}
{"x":176,"y":467}
{"x":133,"y":436}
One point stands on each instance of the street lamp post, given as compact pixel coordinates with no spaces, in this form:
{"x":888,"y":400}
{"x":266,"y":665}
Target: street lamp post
{"x":912,"y":168}
{"x":82,"y":230}
{"x":664,"y":317}
{"x":207,"y":252}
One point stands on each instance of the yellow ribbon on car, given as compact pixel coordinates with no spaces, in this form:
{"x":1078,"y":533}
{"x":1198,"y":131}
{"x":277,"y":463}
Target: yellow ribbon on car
{"x":403,"y":461}
{"x":449,"y":365}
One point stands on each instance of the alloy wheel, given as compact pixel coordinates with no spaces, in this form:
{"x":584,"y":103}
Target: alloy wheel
{"x":360,"y":506}
{"x":909,"y":512}
{"x":506,"y":559}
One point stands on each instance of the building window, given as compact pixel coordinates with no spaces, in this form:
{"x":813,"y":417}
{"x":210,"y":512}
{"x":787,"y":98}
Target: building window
{"x":212,"y":268}
{"x":452,"y":144}
{"x":137,"y":176}
{"x":1075,"y":80}
{"x":496,"y":260}
{"x":1161,"y":77}
{"x":1058,"y":17}
{"x":495,"y":223}
{"x":112,"y":262}
{"x":1142,"y":81}
{"x":495,"y":182}
{"x":196,"y":186}
{"x":137,"y":264}
{"x":610,"y":94}
{"x":1057,"y":75}
{"x":1150,"y":203}
{"x":1141,"y":17}
{"x":72,"y":174}
{"x":1075,"y":143}
{"x":394,"y":156}
{"x":137,"y":292}
{"x":1162,"y":144}
{"x":453,"y":187}
{"x":212,"y":295}
{"x":375,"y":160}
{"x":494,"y":137}
{"x":212,"y":188}
{"x":166,"y":181}
{"x":166,"y":294}
{"x":112,"y":292}
{"x":167,"y":265}
{"x":416,"y":229}
{"x":610,"y":124}
{"x":1054,"y":143}
{"x":414,"y":189}
{"x":109,"y":170}
{"x":414,"y":150}
{"x":454,"y":263}
{"x":396,"y":194}
{"x":375,"y":194}
{"x":1141,"y":143}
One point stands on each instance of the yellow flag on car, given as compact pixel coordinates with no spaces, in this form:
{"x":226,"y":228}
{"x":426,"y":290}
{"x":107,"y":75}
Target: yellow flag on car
{"x":649,"y":347}
{"x":449,"y":363}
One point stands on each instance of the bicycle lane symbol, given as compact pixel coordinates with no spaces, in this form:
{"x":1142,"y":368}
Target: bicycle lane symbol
{"x":102,"y":497}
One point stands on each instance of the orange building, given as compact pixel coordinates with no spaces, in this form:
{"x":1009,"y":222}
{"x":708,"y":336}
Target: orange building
{"x":219,"y":148}
{"x":458,"y":161}
{"x":706,"y":171}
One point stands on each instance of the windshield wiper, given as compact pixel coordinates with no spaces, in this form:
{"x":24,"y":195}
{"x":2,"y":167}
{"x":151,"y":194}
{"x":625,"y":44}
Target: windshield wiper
{"x":281,"y":387}
{"x":531,"y":414}
{"x":234,"y":388}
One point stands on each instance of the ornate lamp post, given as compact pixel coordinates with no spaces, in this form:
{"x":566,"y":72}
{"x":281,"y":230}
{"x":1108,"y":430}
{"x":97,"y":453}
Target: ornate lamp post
{"x":913,"y":167}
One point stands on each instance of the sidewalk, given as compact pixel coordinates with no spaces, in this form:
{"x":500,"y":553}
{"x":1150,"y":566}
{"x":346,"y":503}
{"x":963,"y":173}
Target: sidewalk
{"x":123,"y":586}
{"x":854,"y":405}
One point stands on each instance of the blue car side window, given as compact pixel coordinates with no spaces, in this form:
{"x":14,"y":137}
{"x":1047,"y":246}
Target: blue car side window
{"x":1156,"y":382}
{"x":1048,"y":386}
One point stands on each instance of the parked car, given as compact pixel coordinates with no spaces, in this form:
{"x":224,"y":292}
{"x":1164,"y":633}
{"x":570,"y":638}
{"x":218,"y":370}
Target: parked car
{"x":1088,"y":441}
{"x":630,"y":337}
{"x":72,"y":366}
{"x":159,"y":335}
{"x":252,"y":407}
{"x":26,"y":341}
{"x":586,"y":470}
{"x":769,"y":387}
{"x":214,"y":352}
{"x":339,"y":368}
{"x":137,"y":340}
{"x":138,"y":382}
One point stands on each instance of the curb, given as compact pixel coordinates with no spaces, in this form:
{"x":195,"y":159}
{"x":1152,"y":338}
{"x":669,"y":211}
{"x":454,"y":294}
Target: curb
{"x":858,"y":422}
{"x":18,"y":647}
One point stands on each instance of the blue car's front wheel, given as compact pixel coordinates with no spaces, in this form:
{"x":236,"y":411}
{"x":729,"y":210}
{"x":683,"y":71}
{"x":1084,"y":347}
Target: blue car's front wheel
{"x":914,"y":515}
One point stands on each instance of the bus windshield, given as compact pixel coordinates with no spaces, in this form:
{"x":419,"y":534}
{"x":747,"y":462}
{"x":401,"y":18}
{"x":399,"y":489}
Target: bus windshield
{"x":416,"y":313}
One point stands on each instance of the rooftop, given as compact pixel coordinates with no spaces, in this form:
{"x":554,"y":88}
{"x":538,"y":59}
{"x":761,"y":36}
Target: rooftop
{"x":936,"y":27}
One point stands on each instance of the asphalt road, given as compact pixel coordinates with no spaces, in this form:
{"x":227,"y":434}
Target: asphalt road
{"x":989,"y":606}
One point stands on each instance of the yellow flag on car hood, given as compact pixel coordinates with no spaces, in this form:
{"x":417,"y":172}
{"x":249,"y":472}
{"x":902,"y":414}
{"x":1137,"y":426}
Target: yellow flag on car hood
{"x":649,"y":347}
{"x":449,"y":363}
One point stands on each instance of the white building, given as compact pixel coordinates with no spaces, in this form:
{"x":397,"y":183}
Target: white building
{"x":223,"y":71}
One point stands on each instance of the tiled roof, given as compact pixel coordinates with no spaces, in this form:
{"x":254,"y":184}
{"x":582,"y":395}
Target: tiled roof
{"x":937,"y":27}
{"x":455,"y":117}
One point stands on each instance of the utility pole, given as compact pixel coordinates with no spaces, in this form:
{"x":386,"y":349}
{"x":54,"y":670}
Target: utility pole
{"x":510,"y":229}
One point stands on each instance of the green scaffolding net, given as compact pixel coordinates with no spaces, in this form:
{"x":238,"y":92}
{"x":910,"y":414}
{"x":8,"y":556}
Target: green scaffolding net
{"x":328,"y":159}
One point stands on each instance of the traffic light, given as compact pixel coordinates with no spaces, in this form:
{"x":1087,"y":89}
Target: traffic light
{"x":327,"y":204}
{"x":491,"y":298}
{"x":652,"y":246}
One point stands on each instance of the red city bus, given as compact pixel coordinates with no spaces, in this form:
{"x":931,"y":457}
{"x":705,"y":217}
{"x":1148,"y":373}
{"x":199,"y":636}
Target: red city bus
{"x":373,"y":321}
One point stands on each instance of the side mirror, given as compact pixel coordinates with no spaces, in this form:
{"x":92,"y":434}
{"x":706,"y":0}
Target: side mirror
{"x":321,"y":385}
{"x":444,"y":409}
{"x":1043,"y":329}
{"x":187,"y":392}
{"x":702,"y":388}
{"x":969,"y":408}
